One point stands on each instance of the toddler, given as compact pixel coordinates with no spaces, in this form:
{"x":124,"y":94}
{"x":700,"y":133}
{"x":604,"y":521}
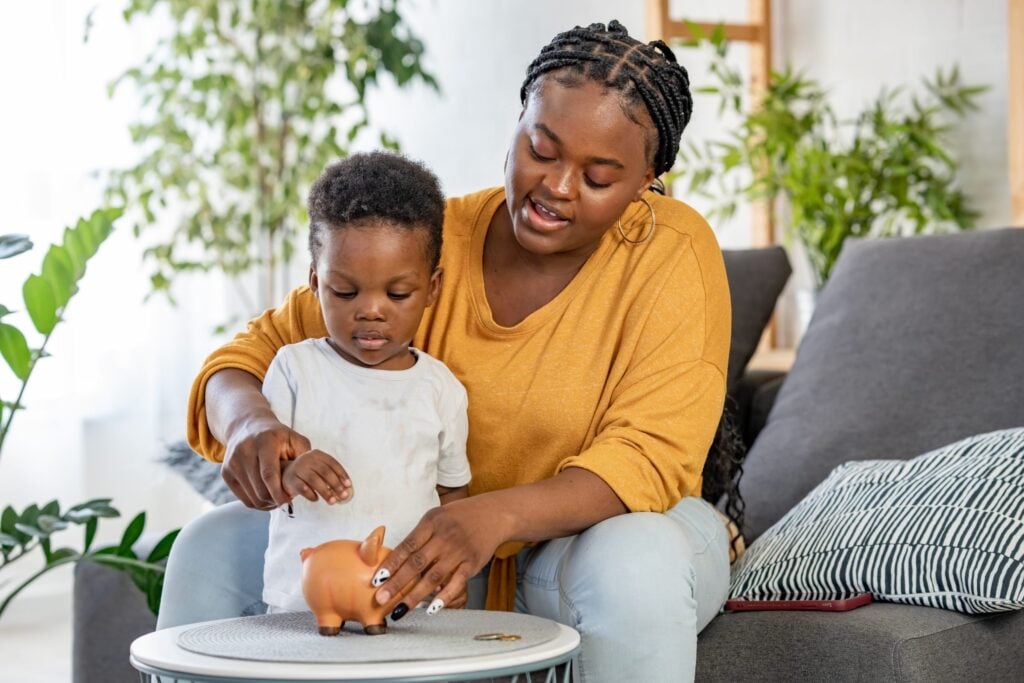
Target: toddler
{"x":391,"y":416}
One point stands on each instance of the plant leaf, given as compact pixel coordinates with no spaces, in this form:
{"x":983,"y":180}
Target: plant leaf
{"x":15,"y":351}
{"x":163,"y":547}
{"x":41,"y":303}
{"x":90,"y":532}
{"x":131,"y":534}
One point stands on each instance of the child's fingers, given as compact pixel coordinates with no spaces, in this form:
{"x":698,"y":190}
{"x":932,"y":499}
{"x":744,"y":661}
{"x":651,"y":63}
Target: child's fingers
{"x":339,"y":483}
{"x":332,"y":470}
{"x":295,"y":486}
{"x":313,"y":478}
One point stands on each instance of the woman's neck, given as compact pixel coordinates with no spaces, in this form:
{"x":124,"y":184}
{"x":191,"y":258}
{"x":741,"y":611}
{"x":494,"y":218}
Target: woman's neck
{"x":518,"y":282}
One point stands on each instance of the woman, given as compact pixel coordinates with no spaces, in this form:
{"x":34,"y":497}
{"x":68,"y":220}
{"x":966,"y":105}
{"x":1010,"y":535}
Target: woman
{"x":588,"y":318}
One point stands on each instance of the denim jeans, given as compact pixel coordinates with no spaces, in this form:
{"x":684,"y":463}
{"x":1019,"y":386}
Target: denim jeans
{"x":638,"y":587}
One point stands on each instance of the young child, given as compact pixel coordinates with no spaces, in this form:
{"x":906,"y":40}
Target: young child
{"x":394,"y":417}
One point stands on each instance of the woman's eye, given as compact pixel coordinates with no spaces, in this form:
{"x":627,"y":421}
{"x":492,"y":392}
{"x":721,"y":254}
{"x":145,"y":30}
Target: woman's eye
{"x":594,"y":184}
{"x":399,"y":296}
{"x":344,"y":295}
{"x":537,"y":155}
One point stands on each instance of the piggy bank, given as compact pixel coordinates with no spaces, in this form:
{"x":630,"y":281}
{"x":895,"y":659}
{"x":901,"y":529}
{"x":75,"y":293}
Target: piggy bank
{"x":336,"y":583}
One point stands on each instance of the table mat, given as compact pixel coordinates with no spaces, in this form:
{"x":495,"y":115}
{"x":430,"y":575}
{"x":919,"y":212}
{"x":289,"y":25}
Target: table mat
{"x":293,"y":637}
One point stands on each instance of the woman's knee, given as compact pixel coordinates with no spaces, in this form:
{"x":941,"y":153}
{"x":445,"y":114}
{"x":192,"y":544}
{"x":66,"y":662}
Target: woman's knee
{"x":638,"y":561}
{"x":228,"y":529}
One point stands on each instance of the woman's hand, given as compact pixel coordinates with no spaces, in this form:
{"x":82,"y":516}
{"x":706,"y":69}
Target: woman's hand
{"x":255,"y":455}
{"x":448,"y":547}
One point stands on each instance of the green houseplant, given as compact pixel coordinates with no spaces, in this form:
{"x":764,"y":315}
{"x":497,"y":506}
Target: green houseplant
{"x":885,"y":172}
{"x":244,"y":103}
{"x":46,"y":296}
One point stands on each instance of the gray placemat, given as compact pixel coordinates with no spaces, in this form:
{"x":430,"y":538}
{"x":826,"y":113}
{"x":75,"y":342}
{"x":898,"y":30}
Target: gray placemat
{"x":293,"y":637}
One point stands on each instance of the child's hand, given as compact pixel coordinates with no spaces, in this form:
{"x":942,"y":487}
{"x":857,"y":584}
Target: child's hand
{"x":316,"y":474}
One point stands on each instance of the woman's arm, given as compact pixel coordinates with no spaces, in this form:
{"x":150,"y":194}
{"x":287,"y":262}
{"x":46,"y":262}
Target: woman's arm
{"x":454,"y":542}
{"x":240,"y":416}
{"x":229,"y":418}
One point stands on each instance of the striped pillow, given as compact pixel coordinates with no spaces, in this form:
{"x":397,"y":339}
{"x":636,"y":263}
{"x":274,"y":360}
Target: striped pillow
{"x":945,"y":529}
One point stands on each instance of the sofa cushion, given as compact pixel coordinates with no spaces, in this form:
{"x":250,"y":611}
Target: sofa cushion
{"x":879,"y":642}
{"x":756,"y":278}
{"x":914,"y":343}
{"x":937,"y":530}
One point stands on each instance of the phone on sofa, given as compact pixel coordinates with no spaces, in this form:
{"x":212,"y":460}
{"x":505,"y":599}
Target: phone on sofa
{"x":844,"y":605}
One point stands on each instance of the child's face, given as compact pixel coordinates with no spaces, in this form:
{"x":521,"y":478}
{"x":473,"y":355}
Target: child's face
{"x":373,"y":283}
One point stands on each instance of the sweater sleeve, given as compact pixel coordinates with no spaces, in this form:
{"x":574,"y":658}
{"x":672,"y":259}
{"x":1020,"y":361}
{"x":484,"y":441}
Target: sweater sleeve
{"x":252,"y":351}
{"x":654,"y":437}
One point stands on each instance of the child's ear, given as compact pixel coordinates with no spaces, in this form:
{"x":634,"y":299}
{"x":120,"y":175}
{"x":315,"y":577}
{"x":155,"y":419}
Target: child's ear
{"x":314,"y":281}
{"x":435,"y":286}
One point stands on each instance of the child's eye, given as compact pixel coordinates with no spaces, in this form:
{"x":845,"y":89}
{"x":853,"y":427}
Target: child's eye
{"x":344,"y":295}
{"x":399,"y":296}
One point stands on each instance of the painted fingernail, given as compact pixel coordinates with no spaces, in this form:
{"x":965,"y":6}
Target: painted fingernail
{"x":380,"y":577}
{"x":435,"y":606}
{"x":399,"y":611}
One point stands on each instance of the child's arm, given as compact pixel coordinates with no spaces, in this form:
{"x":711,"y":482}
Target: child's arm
{"x":447,"y":495}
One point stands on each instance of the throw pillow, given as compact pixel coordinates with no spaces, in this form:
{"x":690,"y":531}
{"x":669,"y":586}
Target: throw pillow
{"x":915,"y":343}
{"x":203,"y":475}
{"x":943,"y":530}
{"x":756,"y":278}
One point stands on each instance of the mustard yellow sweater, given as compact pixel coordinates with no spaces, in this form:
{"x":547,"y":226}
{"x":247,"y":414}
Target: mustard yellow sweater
{"x":622,"y":373}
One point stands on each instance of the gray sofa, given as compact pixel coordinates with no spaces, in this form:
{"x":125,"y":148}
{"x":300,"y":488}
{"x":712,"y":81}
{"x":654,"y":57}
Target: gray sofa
{"x":914,"y":343}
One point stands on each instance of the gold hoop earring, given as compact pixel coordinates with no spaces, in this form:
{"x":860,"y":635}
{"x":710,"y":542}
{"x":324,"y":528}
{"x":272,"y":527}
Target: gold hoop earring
{"x":650,"y":232}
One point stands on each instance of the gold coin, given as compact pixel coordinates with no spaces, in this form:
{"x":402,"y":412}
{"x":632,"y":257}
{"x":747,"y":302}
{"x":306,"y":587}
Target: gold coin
{"x":497,"y":636}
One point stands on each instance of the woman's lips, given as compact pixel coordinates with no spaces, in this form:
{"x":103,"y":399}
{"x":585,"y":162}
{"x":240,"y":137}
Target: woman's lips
{"x":542,"y":217}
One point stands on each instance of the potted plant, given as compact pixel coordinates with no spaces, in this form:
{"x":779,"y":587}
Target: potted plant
{"x":32,"y":531}
{"x":886,"y":171}
{"x":244,"y":103}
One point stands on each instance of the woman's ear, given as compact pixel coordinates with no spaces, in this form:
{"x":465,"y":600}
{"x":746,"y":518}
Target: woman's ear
{"x":645,"y":185}
{"x":434,"y":288}
{"x":314,"y":281}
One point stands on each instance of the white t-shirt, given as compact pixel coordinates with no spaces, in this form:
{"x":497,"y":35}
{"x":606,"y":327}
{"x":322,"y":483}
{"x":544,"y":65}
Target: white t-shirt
{"x":398,"y":434}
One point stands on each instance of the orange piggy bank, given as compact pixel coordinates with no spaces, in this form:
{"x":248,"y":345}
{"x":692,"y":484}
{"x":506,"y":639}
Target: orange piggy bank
{"x":336,"y":583}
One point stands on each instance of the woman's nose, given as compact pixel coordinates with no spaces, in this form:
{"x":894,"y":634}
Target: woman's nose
{"x":561,"y":182}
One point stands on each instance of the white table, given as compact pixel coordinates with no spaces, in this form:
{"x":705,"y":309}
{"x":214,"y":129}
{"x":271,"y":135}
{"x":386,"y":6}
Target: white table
{"x":159,"y":657}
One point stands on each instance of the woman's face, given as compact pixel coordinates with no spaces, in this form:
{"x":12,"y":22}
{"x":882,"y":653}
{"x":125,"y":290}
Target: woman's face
{"x":575,"y":164}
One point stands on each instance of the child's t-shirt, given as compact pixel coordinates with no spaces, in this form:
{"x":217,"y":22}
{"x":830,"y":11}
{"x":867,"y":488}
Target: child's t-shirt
{"x":398,"y":434}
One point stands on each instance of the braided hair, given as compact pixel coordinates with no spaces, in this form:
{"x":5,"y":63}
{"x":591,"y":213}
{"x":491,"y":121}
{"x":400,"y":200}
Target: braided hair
{"x":642,"y":73}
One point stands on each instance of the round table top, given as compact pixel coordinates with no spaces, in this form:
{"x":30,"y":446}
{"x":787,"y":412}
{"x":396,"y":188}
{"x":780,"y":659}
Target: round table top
{"x":160,"y":653}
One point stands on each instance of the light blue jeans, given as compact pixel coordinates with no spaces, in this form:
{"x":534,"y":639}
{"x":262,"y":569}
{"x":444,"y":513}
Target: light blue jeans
{"x":638,"y":587}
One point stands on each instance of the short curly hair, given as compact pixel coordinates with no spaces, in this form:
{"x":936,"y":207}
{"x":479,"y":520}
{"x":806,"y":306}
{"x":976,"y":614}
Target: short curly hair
{"x":377,"y":187}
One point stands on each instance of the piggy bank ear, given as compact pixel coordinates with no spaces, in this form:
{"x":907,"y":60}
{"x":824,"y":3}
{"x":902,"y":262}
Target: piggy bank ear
{"x":305,"y":552}
{"x":369,"y":548}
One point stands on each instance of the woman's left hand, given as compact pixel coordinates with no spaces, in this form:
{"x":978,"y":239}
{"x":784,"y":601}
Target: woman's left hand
{"x":448,"y":547}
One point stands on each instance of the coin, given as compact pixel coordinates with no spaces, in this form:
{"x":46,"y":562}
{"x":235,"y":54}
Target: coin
{"x":497,"y":636}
